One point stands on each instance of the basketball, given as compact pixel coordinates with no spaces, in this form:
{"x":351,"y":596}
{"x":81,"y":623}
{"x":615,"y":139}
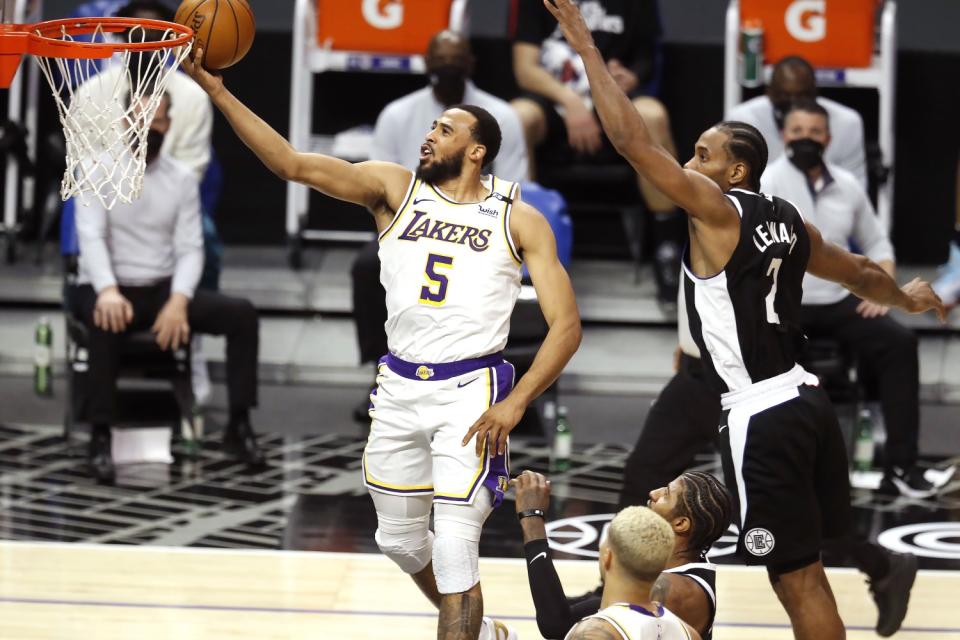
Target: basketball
{"x":224,"y":29}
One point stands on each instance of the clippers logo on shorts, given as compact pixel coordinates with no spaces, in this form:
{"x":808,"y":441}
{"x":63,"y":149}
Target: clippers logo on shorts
{"x":759,"y":542}
{"x":424,"y":372}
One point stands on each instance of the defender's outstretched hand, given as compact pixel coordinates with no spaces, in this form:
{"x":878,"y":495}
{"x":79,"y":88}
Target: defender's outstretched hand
{"x":209,"y":82}
{"x":923,"y":298}
{"x":574,"y":27}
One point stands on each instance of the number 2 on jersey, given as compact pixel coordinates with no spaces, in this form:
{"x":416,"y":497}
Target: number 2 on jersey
{"x":435,"y":291}
{"x":774,"y":270}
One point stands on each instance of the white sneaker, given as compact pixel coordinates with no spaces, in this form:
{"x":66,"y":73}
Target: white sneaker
{"x":939,"y":477}
{"x":491,"y":629}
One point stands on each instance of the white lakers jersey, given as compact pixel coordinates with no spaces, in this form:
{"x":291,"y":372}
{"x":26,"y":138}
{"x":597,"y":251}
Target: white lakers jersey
{"x":451,"y":273}
{"x":635,"y":623}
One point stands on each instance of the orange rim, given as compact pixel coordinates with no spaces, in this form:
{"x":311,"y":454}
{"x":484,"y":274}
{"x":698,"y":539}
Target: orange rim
{"x":45,"y":38}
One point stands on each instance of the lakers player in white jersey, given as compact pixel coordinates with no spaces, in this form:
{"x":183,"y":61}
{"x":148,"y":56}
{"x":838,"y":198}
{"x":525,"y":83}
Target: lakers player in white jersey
{"x":451,"y":249}
{"x":635,"y":551}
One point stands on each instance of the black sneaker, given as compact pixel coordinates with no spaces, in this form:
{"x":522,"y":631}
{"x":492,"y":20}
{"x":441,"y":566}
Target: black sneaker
{"x":909,"y":483}
{"x":240,"y":442}
{"x":892,"y":592}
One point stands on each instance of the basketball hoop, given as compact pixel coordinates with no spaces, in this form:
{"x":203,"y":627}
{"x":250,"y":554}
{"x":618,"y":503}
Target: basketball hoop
{"x":105,"y":116}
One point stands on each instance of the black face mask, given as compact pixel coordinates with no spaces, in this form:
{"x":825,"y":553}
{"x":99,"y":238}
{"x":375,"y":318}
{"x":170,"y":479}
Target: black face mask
{"x":805,"y":154}
{"x":154,"y":143}
{"x":449,"y":83}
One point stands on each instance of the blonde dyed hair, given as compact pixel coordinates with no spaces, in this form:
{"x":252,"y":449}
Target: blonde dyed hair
{"x":641,"y":542}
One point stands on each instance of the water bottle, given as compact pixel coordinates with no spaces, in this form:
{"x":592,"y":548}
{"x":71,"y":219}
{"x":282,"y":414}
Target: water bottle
{"x":863,"y":445}
{"x":562,"y":443}
{"x":42,"y":358}
{"x":751,"y":54}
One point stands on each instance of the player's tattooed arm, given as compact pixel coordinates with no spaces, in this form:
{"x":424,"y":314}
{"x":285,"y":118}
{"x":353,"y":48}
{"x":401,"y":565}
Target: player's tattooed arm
{"x":593,"y":629}
{"x":661,"y":589}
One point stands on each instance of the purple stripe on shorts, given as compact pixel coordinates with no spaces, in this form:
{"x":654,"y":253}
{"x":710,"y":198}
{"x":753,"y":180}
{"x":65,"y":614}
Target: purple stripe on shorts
{"x":498,"y":473}
{"x":442,"y":371}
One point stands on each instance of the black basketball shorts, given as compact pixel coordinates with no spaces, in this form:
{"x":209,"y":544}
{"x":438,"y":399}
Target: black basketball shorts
{"x":785,"y":464}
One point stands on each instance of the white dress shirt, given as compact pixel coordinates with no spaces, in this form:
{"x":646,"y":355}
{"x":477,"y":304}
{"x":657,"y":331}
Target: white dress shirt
{"x":404,"y":123}
{"x":156,"y":237}
{"x":191,"y":114}
{"x":846,"y":131}
{"x":840,"y":208}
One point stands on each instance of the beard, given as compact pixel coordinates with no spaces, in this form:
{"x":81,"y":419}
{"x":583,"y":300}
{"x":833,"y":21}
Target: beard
{"x":442,"y":170}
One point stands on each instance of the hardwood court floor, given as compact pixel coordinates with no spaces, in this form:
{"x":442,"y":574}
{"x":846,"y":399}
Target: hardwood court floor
{"x":113,"y":592}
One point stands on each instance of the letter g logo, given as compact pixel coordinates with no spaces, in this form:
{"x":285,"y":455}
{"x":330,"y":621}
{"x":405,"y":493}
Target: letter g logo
{"x":383,"y":14}
{"x":806,"y":20}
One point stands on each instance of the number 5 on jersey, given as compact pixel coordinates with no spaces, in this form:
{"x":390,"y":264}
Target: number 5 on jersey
{"x":435,"y":291}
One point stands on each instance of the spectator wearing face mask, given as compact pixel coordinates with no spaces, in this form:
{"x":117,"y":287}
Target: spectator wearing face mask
{"x":832,"y":199}
{"x":397,"y":137}
{"x":794,"y":79}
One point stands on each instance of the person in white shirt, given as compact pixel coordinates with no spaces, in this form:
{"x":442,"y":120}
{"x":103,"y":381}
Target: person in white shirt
{"x":794,"y":79}
{"x":139,"y":268}
{"x":397,"y":138}
{"x":832,"y":199}
{"x":189,"y":141}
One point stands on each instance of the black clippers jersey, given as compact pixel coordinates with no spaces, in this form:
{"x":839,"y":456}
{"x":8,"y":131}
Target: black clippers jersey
{"x":704,"y":573}
{"x":746,"y":319}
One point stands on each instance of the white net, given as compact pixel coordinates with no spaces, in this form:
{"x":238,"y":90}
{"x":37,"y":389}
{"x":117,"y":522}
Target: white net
{"x":106,"y":107}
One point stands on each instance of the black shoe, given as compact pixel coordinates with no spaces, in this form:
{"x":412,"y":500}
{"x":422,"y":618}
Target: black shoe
{"x":100,"y":458}
{"x":240,"y":442}
{"x":909,"y":483}
{"x":892,"y":592}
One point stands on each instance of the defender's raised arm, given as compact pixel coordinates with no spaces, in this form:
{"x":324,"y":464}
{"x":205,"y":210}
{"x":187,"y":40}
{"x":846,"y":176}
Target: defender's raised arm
{"x":699,"y":196}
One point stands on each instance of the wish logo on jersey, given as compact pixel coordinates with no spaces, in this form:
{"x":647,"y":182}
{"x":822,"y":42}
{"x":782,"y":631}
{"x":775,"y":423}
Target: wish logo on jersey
{"x":422,"y":226}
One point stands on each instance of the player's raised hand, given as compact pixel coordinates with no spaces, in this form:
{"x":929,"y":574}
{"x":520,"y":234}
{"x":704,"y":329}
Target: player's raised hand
{"x":575,"y":30}
{"x":193,"y":65}
{"x":923,"y":298}
{"x":533,"y":491}
{"x":494,"y":426}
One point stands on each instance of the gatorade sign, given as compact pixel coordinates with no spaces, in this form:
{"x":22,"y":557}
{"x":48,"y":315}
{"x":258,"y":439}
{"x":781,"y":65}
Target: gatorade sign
{"x":381,"y":26}
{"x":828,"y":33}
{"x":806,"y":20}
{"x":383,"y":15}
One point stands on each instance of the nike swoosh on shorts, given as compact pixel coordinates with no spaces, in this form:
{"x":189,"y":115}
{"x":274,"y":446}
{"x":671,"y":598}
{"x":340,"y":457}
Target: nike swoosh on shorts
{"x":460,"y":385}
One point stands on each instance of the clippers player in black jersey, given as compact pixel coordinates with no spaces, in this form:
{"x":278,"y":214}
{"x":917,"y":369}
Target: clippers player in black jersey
{"x":698,"y":509}
{"x":784,"y":456}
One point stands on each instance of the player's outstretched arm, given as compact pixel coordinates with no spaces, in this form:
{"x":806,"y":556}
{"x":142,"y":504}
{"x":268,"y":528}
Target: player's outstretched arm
{"x":378,"y":186}
{"x":696,"y":194}
{"x":866,"y":279}
{"x":535,"y":241}
{"x":555,"y":616}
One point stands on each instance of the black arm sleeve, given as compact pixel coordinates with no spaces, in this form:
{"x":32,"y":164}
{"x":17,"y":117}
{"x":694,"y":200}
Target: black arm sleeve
{"x":554,"y":615}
